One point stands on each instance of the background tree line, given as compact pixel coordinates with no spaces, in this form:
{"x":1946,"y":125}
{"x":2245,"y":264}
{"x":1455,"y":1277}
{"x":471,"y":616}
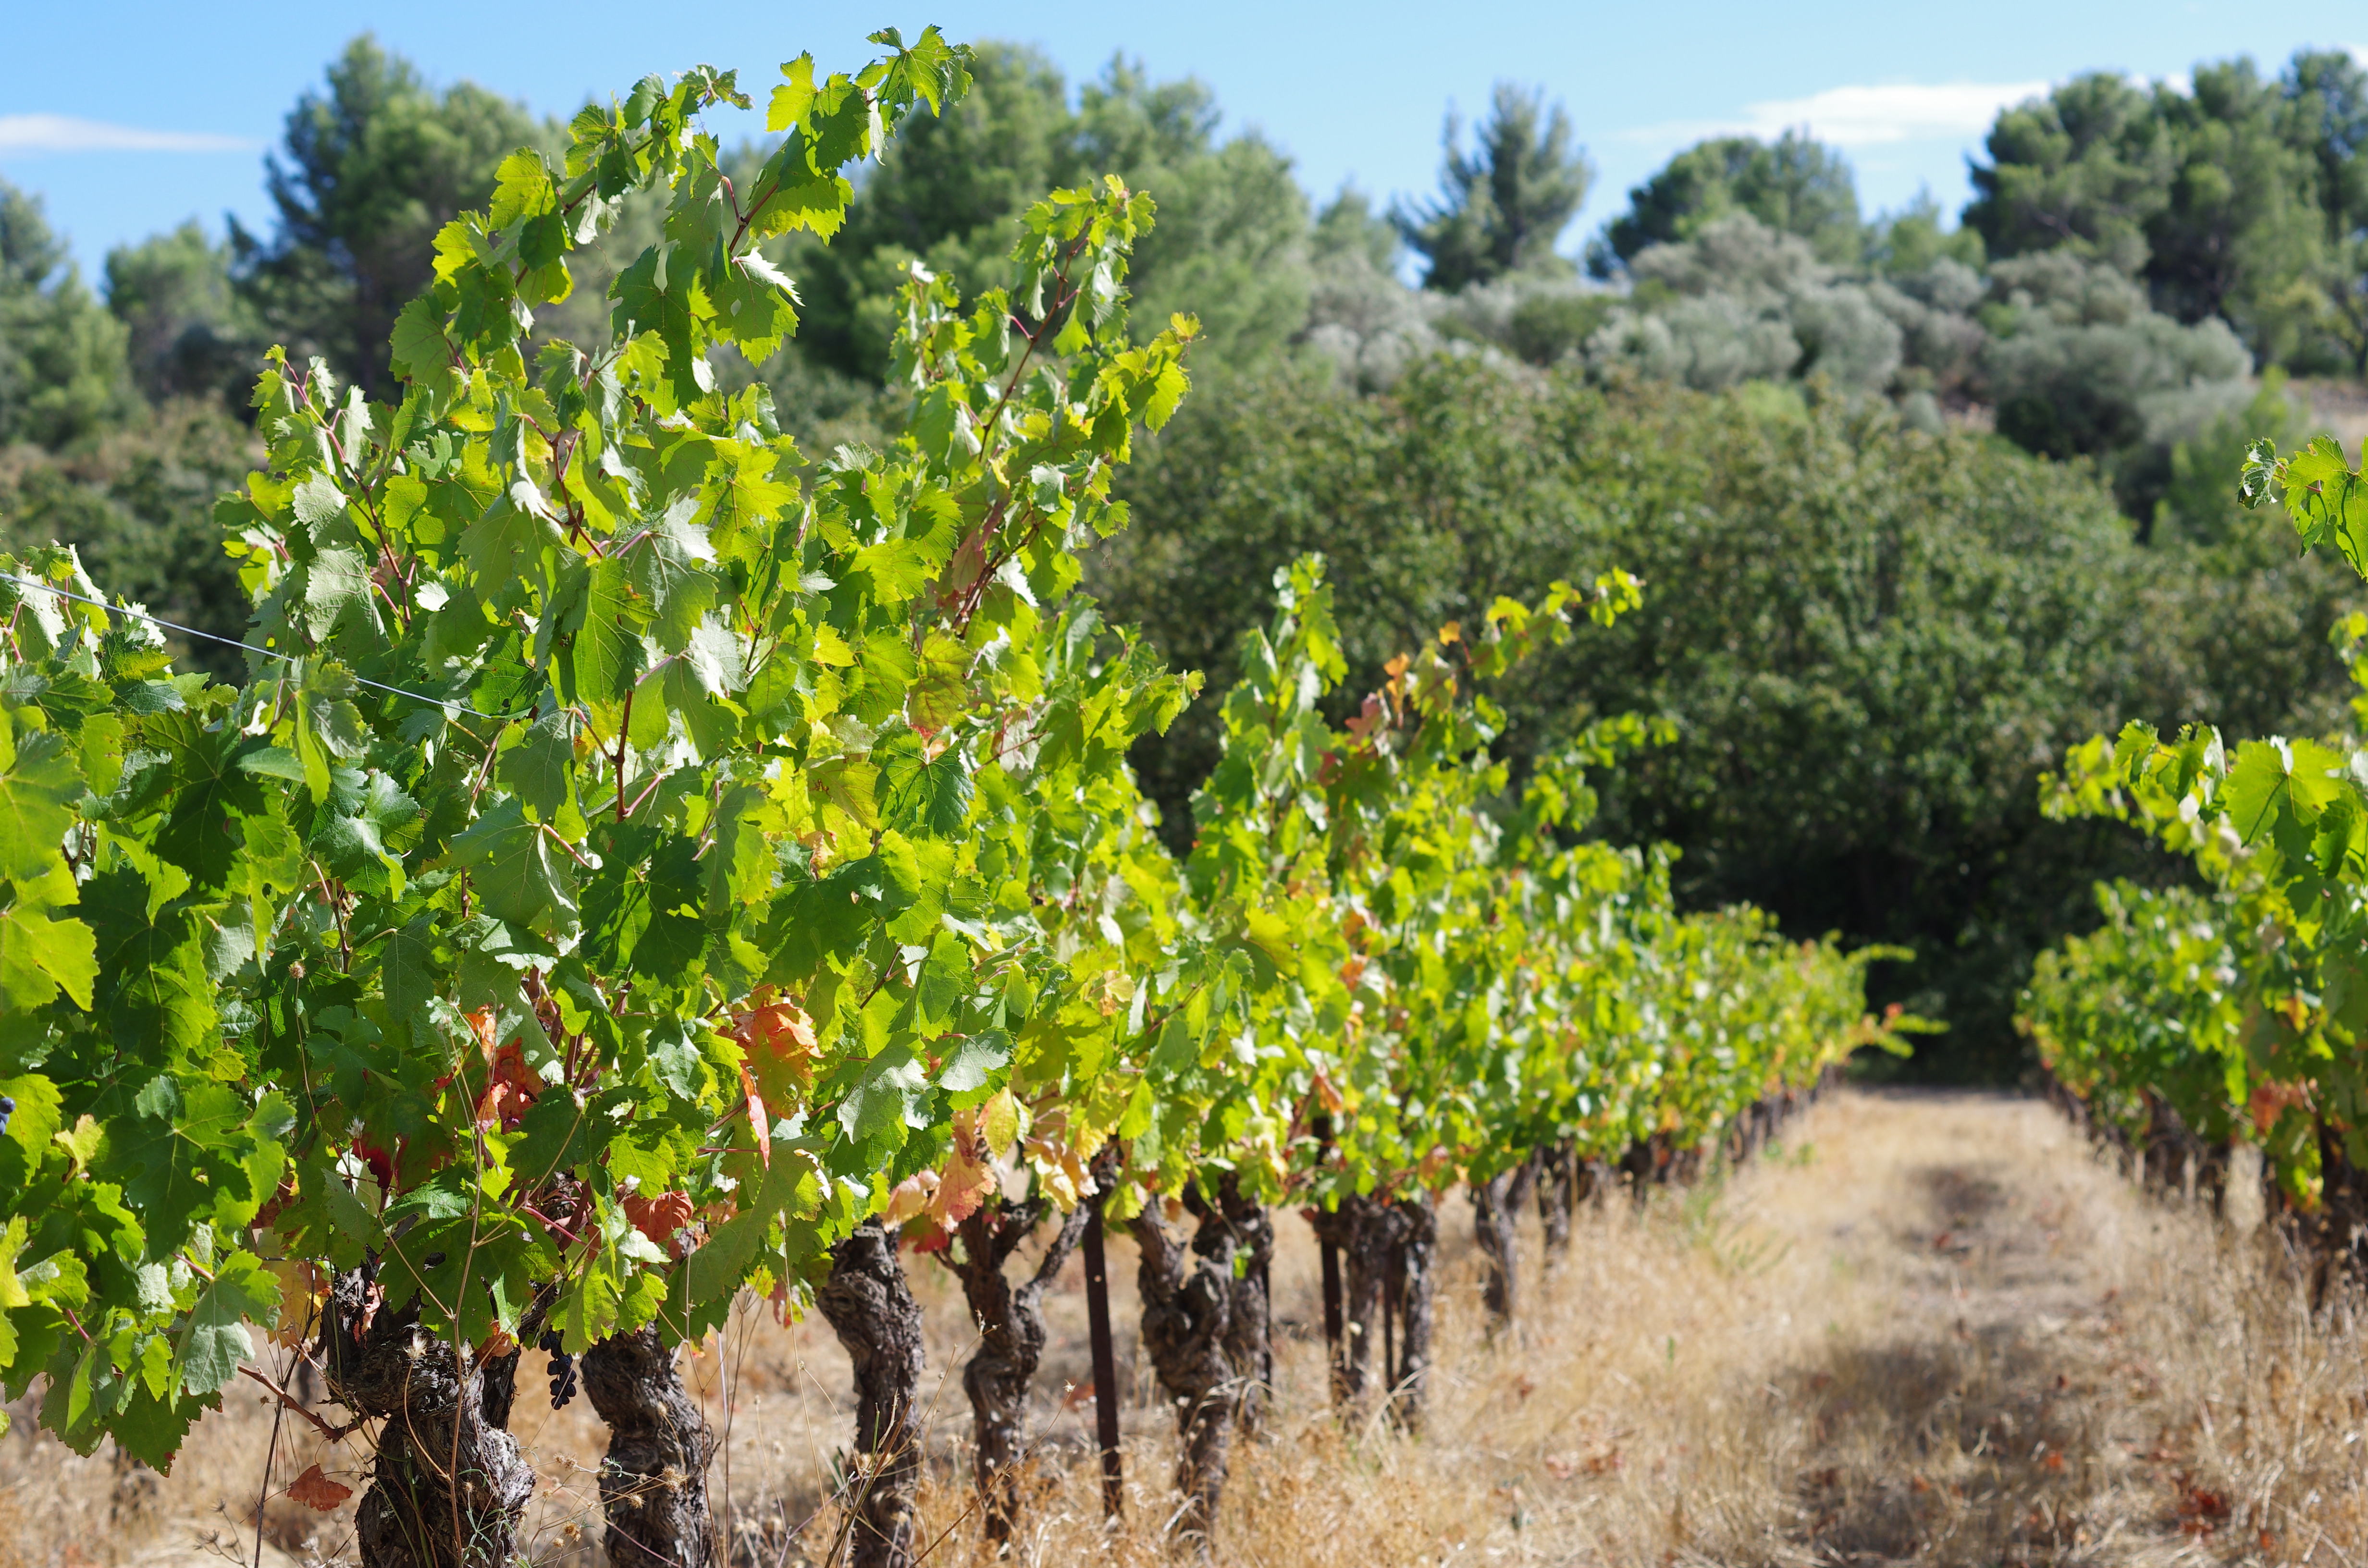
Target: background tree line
{"x":1973,"y":502}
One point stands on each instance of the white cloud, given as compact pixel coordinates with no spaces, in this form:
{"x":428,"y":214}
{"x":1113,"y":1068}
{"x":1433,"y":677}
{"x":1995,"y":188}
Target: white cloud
{"x":1863,"y":117}
{"x":60,"y":133}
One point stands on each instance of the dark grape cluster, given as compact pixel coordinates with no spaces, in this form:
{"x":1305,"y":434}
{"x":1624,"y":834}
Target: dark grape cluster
{"x":562,"y":1369}
{"x":7,"y":1110}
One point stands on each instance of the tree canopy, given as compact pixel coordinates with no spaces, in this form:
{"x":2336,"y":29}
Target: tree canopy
{"x":368,"y":171}
{"x":1233,"y":223}
{"x":2239,"y":196}
{"x":1504,"y":204}
{"x":61,"y":371}
{"x":1795,"y":185}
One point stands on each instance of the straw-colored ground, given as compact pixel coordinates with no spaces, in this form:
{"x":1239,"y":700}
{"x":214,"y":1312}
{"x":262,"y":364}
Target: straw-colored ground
{"x":1929,"y":1328}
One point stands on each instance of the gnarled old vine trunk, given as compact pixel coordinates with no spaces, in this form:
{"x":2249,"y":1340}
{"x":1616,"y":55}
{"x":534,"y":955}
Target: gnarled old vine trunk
{"x":653,"y":1481}
{"x":1418,"y":1281}
{"x":871,"y":1309}
{"x":1497,"y":1205}
{"x":1011,"y":1335}
{"x":1564,"y":1183}
{"x":2333,"y":1238}
{"x":1186,"y":1310}
{"x":449,"y":1486}
{"x":1391,"y":1250}
{"x":1243,"y":1225}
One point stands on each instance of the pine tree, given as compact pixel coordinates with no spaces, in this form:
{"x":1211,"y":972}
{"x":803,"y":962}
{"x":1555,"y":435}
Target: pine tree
{"x":1504,"y":204}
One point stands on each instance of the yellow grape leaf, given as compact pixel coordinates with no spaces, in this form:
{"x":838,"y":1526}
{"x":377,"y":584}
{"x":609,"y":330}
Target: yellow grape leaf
{"x":299,"y":1291}
{"x":998,"y":1122}
{"x":910,"y":1199}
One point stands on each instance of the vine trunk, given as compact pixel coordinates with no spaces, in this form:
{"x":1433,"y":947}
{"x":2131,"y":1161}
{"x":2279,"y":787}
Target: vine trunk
{"x":871,"y":1306}
{"x":448,"y":1486}
{"x":653,"y":1483}
{"x":1011,"y":1335}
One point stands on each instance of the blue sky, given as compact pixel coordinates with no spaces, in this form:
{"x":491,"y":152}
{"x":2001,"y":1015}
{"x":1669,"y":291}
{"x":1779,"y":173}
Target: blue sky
{"x":129,"y":117}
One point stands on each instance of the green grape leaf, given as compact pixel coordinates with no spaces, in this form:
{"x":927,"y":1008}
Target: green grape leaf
{"x":886,"y":1093}
{"x":354,"y":837}
{"x":346,"y":1212}
{"x":588,"y":1311}
{"x":211,"y":1343}
{"x":743,"y":498}
{"x":739,"y":865}
{"x":720,"y":1264}
{"x":337,"y":582}
{"x":153,"y":1428}
{"x":520,"y":876}
{"x":193,"y":1153}
{"x":2277,"y":778}
{"x":690,"y":693}
{"x":39,"y":787}
{"x":204,"y":836}
{"x":556,"y":1136}
{"x":932,"y":797}
{"x":408,"y":973}
{"x":754,"y":309}
{"x":791,"y":100}
{"x":654,"y":297}
{"x":522,"y":189}
{"x":31,"y":1127}
{"x":320,"y":505}
{"x":666,"y":568}
{"x":943,"y":423}
{"x":42,"y":952}
{"x":152,"y":971}
{"x":941,"y":694}
{"x":420,"y":351}
{"x":515,"y":540}
{"x":540,"y":767}
{"x":974,"y":1061}
{"x":328,"y":726}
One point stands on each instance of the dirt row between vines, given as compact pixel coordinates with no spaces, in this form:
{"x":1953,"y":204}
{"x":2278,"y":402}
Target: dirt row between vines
{"x":1927,"y":1328}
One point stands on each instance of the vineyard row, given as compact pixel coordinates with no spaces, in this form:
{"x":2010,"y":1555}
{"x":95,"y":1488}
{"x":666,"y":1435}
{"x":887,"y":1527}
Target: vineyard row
{"x":2201,"y":1019}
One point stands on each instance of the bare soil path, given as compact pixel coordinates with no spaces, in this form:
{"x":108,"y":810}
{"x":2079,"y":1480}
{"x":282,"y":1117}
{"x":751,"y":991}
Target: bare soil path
{"x":1998,"y":1313}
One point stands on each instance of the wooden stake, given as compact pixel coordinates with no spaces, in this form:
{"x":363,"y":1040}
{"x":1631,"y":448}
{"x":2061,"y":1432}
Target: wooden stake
{"x":1335,"y":1308}
{"x":1098,"y":1326}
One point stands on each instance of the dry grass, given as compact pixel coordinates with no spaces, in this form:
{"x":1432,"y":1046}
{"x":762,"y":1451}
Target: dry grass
{"x":1934,"y":1329}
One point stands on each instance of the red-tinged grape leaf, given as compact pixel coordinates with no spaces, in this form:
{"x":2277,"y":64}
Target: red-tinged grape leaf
{"x":968,"y":1175}
{"x":779,"y":1040}
{"x":661,"y":1217}
{"x":317,"y":1491}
